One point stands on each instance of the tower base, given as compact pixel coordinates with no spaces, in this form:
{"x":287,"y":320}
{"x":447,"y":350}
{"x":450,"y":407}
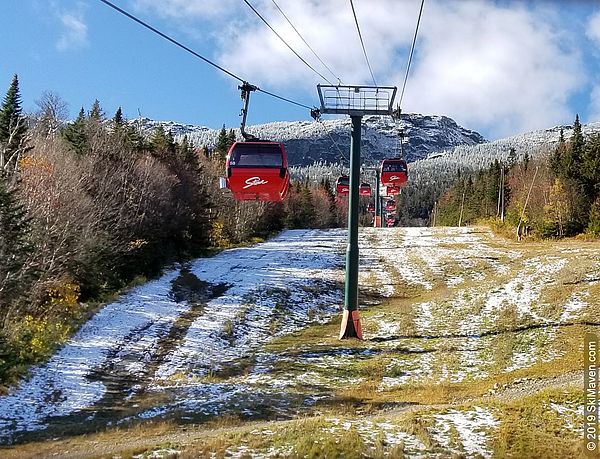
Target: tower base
{"x":351,"y":325}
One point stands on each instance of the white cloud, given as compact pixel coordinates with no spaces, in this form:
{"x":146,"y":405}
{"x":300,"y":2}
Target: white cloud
{"x":593,"y":28}
{"x":188,"y":9}
{"x":250,"y":47}
{"x":74,"y":31}
{"x":594,"y":108}
{"x":493,"y":66}
{"x":502,"y":70}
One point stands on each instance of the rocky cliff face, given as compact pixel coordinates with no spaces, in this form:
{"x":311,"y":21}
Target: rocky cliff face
{"x":307,"y":142}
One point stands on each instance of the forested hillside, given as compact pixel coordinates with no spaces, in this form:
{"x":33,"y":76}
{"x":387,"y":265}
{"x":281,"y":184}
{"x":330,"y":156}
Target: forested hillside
{"x":556,"y":194}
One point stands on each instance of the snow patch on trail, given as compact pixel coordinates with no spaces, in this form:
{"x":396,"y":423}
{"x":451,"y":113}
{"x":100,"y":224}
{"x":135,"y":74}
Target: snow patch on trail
{"x":472,"y":428}
{"x":372,"y":431}
{"x":65,"y":384}
{"x":574,"y":306}
{"x":525,"y":288}
{"x":241,"y":320}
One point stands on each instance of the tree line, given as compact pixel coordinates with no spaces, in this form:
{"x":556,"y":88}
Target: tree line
{"x":556,"y":195}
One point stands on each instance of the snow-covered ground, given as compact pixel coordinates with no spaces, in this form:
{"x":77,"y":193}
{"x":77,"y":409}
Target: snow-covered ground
{"x":298,"y":268}
{"x":155,"y":355}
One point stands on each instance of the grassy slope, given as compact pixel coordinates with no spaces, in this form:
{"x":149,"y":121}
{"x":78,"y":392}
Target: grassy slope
{"x":473,"y":346}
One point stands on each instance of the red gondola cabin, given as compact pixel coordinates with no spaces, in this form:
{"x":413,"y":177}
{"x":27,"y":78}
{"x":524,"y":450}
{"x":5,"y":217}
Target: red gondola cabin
{"x":392,"y":190}
{"x":257,"y":171}
{"x":390,"y":205}
{"x":342,"y":185}
{"x":394,"y":172}
{"x":370,"y":208}
{"x":365,"y":189}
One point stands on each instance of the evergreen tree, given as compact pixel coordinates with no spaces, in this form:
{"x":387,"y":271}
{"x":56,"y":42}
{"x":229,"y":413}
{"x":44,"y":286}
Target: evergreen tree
{"x":558,"y":156}
{"x":230,"y":138}
{"x":512,"y":157}
{"x":307,"y":208}
{"x":222,"y":144}
{"x":187,"y":153}
{"x":96,"y":112}
{"x":159,"y":139}
{"x":526,"y":160}
{"x":590,"y":167}
{"x":572,"y":161}
{"x":593,"y":227}
{"x":118,"y":119}
{"x":14,"y":247}
{"x":577,"y":140}
{"x":13,"y":129}
{"x":75,"y":134}
{"x":126,"y":132}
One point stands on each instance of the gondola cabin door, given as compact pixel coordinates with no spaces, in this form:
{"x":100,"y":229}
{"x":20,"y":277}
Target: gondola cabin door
{"x":257,"y":171}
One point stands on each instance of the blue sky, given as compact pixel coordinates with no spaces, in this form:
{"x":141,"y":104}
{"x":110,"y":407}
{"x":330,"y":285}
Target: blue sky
{"x":498,"y":67}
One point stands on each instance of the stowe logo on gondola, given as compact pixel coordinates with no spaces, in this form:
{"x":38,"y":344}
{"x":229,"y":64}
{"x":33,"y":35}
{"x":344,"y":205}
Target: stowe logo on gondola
{"x":253,"y":181}
{"x":394,"y":177}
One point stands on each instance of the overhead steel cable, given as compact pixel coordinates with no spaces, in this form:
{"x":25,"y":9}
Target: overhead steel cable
{"x":362,"y":42}
{"x":283,"y":98}
{"x":412,"y":50}
{"x":306,"y":43}
{"x":285,"y":42}
{"x":194,"y":53}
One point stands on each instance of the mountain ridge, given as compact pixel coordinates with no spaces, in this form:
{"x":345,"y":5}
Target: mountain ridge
{"x":307,"y":142}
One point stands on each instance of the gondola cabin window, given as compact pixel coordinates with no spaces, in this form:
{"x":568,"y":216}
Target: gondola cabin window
{"x":365,"y":189}
{"x":257,"y":155}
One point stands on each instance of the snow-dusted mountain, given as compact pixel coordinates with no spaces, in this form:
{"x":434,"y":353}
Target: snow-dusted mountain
{"x":445,"y":163}
{"x":307,"y":142}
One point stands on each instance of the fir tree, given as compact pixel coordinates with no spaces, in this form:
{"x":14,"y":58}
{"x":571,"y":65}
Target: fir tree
{"x":593,"y":227}
{"x":118,"y":119}
{"x":590,"y":167}
{"x":75,"y":134}
{"x":572,"y":161}
{"x":558,"y":156}
{"x":163,"y":145}
{"x":230,"y":138}
{"x":126,"y":132}
{"x":13,"y":130}
{"x":577,"y":136}
{"x":14,"y":246}
{"x":187,"y":153}
{"x":96,"y":112}
{"x":512,"y":157}
{"x":307,"y":207}
{"x":222,"y":143}
{"x":526,"y":160}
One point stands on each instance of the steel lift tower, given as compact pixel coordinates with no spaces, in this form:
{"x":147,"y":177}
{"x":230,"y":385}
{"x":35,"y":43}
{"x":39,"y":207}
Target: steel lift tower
{"x":355,"y":101}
